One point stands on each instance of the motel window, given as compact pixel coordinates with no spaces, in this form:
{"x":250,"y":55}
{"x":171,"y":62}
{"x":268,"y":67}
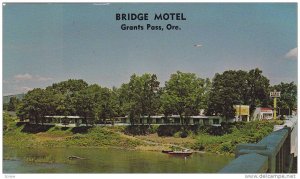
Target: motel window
{"x":206,"y":121}
{"x":196,"y":121}
{"x":177,"y":121}
{"x":216,"y":121}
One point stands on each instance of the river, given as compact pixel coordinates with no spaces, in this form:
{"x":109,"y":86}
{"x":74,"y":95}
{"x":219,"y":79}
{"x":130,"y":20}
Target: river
{"x":55,"y":160}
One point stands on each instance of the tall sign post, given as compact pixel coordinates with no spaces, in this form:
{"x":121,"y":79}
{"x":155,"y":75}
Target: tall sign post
{"x":275,"y":94}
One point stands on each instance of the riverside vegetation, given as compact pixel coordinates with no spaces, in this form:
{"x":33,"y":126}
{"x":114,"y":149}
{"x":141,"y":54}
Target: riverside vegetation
{"x":184,"y":94}
{"x":221,"y":140}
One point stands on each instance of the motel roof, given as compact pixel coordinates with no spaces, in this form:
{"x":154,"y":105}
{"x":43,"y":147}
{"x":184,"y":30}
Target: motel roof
{"x":69,"y":117}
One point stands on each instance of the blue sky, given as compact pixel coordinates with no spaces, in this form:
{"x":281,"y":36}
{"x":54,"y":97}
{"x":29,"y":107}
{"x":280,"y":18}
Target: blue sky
{"x":46,"y":43}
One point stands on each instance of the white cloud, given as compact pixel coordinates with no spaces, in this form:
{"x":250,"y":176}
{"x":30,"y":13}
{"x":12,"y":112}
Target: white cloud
{"x":101,"y":4}
{"x":40,"y":78}
{"x":18,"y":90}
{"x":24,"y":82}
{"x":24,"y":89}
{"x":23,"y":77}
{"x":29,"y":77}
{"x":292,"y":54}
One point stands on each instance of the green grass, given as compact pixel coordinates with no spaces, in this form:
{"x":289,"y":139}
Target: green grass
{"x":207,"y":138}
{"x":100,"y":137}
{"x":9,"y":121}
{"x":12,"y":134}
{"x":250,"y":132}
{"x":59,"y":131}
{"x":64,"y":137}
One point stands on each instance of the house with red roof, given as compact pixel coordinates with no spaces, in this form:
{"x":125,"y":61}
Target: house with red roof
{"x":261,"y":113}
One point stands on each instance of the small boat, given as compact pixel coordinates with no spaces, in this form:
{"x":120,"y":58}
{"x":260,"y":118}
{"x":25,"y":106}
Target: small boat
{"x":180,"y":153}
{"x":166,"y":151}
{"x":72,"y":157}
{"x":184,"y":153}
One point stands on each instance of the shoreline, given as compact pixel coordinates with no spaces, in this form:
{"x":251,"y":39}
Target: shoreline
{"x":44,"y":160}
{"x":118,"y":148}
{"x":198,"y":141}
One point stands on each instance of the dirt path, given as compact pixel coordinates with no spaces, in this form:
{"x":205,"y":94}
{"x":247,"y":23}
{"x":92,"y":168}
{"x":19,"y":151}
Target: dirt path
{"x":155,"y":143}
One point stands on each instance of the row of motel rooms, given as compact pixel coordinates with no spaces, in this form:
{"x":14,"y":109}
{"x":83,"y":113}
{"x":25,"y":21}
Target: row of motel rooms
{"x":242,"y":114}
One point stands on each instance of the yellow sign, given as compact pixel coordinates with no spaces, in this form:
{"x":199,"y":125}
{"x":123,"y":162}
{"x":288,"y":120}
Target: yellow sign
{"x":242,"y":110}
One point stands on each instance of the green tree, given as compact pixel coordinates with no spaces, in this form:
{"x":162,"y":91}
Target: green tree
{"x":120,"y":97}
{"x":223,"y":96}
{"x":258,"y":88}
{"x":21,"y":112}
{"x":167,"y":104}
{"x":183,"y":94}
{"x":106,"y":104}
{"x":68,"y":87}
{"x":237,"y":87}
{"x":85,"y":104}
{"x":36,"y":104}
{"x":13,"y":103}
{"x":150,"y":95}
{"x":206,"y":93}
{"x":5,"y":106}
{"x":140,"y":97}
{"x":64,"y":95}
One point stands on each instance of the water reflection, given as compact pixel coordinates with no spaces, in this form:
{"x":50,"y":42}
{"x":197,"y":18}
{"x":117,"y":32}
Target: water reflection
{"x":55,"y":160}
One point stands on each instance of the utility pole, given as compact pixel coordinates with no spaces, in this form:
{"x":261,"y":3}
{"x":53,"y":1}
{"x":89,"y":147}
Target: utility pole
{"x":240,"y":111}
{"x":275,"y":107}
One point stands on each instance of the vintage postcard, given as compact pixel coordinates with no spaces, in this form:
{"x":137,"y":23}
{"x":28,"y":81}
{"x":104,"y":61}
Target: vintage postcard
{"x":150,"y":88}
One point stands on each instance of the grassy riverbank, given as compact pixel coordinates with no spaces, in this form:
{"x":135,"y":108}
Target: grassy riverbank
{"x":26,"y":135}
{"x":206,"y":139}
{"x":250,"y":132}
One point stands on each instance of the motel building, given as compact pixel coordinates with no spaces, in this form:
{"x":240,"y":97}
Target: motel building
{"x":241,"y":113}
{"x":263,"y":114}
{"x":77,"y":121}
{"x":260,"y":113}
{"x":70,"y":121}
{"x":174,"y":120}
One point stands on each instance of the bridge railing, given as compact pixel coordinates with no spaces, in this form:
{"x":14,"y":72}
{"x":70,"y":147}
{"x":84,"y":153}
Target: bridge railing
{"x":271,"y":155}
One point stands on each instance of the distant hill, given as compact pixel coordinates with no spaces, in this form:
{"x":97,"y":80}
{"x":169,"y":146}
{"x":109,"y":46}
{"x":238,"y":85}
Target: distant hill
{"x":6,"y":98}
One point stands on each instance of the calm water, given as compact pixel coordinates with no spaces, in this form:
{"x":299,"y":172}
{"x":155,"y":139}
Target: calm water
{"x":107,"y":161}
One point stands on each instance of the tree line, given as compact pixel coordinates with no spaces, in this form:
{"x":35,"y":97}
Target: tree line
{"x":184,"y":94}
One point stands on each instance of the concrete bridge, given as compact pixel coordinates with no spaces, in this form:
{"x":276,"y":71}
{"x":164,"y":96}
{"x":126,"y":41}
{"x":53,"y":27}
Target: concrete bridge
{"x":273,"y":154}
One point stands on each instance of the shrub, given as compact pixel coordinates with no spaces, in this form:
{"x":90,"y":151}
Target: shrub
{"x":177,"y":134}
{"x":241,"y":132}
{"x":153,"y":129}
{"x":140,"y":129}
{"x":183,"y":134}
{"x":168,"y":130}
{"x":198,"y":146}
{"x":226,"y":147}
